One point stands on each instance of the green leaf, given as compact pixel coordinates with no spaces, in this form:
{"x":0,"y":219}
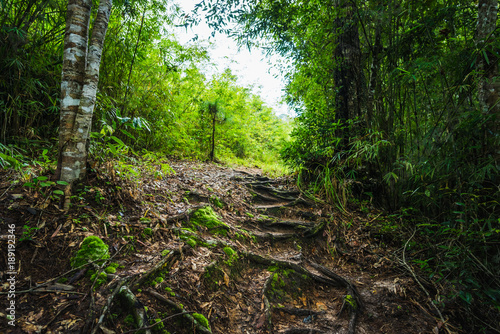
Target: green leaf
{"x":46,"y":184}
{"x":62,"y":183}
{"x":128,"y":134}
{"x":58,"y":192}
{"x":118,"y":140}
{"x":113,"y":150}
{"x":486,"y":57}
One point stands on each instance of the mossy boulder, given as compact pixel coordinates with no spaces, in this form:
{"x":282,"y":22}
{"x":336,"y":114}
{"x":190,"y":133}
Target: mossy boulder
{"x":91,"y":249}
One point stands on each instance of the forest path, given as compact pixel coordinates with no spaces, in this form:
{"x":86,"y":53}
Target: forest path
{"x":272,"y":261}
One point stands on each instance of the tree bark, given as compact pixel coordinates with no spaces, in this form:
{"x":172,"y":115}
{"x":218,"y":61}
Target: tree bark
{"x":212,"y":108}
{"x":487,"y":67}
{"x":347,"y":57}
{"x":80,"y":76}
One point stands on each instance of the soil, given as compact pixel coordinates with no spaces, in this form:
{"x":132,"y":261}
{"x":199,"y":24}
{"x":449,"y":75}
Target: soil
{"x":280,"y":263}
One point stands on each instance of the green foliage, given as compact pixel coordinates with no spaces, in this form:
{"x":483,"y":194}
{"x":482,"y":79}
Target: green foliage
{"x":91,"y":249}
{"x":413,"y":133}
{"x":165,"y":252}
{"x":28,"y":233}
{"x":129,"y":320}
{"x":98,"y":280}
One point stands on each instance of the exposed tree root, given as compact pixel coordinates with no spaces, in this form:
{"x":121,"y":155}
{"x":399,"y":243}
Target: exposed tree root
{"x":267,"y":305}
{"x":330,"y":278}
{"x":183,"y":216}
{"x":297,"y":311}
{"x":107,"y":306}
{"x":264,"y":197}
{"x":265,"y":236}
{"x":137,"y":282}
{"x":303,"y":331}
{"x":304,"y":229}
{"x":135,"y":306}
{"x":273,"y":192}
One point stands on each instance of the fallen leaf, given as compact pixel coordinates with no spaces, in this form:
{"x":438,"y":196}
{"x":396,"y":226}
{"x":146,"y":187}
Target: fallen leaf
{"x":321,"y":306}
{"x":106,"y":330}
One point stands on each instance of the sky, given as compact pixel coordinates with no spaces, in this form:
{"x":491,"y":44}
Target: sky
{"x":252,"y":67}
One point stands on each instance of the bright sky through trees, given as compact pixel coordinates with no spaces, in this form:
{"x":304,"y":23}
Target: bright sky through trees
{"x":253,"y":68}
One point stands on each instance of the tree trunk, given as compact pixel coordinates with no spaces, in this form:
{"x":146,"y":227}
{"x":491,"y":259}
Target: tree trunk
{"x":213,"y":111}
{"x":347,"y":57}
{"x":80,"y":76}
{"x":487,"y":67}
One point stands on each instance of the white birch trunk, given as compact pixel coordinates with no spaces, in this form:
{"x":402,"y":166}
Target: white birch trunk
{"x":73,"y":152}
{"x":73,"y":70}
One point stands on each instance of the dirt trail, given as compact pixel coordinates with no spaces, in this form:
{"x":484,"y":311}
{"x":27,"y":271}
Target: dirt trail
{"x":277,"y":263}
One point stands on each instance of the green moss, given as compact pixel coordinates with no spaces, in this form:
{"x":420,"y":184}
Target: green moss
{"x":351,"y":301}
{"x":148,"y":231}
{"x":159,"y":325}
{"x":189,"y":240}
{"x":229,"y":251}
{"x":249,"y":214}
{"x":221,"y":231}
{"x":277,"y":281}
{"x":91,"y":249}
{"x":102,"y":278}
{"x":62,"y":280}
{"x":168,"y":289}
{"x":200,"y":318}
{"x":216,"y":201}
{"x":206,"y":217}
{"x":159,"y":279}
{"x":129,"y":320}
{"x":232,"y":255}
{"x":110,"y":270}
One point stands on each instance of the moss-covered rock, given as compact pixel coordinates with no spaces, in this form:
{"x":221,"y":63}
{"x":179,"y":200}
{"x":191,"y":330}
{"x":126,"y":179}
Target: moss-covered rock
{"x":207,"y":217}
{"x":91,"y":249}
